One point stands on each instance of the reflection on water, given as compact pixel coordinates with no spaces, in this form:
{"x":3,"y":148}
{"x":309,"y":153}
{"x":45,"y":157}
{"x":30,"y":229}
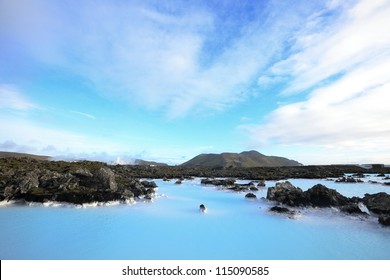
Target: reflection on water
{"x":171,"y":227}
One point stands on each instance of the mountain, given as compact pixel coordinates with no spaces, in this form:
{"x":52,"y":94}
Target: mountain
{"x":22,"y":155}
{"x":244,"y":159}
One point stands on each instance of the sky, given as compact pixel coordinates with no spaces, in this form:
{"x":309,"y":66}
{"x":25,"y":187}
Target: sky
{"x":167,"y":80}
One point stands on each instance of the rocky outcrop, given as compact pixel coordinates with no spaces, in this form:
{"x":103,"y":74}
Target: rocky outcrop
{"x":250,"y":196}
{"x":384,"y":220}
{"x":353,"y":209}
{"x":378,"y":203}
{"x":317,"y":196}
{"x":286,"y":193}
{"x":230,"y":184}
{"x":104,"y":179}
{"x":349,"y":179}
{"x":321,"y":196}
{"x":218,"y":182}
{"x":77,"y":183}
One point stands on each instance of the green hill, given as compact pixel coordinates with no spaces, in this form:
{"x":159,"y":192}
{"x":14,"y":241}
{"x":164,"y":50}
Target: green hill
{"x":244,"y":159}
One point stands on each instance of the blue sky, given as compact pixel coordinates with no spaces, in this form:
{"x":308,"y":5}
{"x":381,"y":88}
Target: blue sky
{"x":167,"y":80}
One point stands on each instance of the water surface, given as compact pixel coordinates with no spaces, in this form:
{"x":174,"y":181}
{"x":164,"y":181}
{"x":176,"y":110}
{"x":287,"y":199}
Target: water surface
{"x":172,"y":227}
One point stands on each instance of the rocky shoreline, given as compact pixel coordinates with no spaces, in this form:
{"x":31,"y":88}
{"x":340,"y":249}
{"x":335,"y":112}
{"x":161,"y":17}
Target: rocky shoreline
{"x":319,"y":196}
{"x":87,"y":182}
{"x":66,"y":182}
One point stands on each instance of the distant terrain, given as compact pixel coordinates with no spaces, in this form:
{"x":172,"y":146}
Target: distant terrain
{"x":22,"y":155}
{"x":29,"y":178}
{"x":244,"y":159}
{"x":42,"y":157}
{"x":147,"y":162}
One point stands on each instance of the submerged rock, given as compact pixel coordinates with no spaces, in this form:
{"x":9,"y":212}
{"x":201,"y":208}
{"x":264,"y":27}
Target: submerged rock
{"x":292,"y":214}
{"x":279,"y":209}
{"x":250,"y":196}
{"x":384,"y":220}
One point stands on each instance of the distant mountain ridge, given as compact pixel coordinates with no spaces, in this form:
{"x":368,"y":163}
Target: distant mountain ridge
{"x":244,"y":159}
{"x":42,"y":157}
{"x":22,"y":155}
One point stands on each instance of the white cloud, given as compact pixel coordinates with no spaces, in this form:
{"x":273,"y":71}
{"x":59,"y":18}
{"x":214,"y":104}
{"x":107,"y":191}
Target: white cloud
{"x":157,"y":57}
{"x":348,"y":114}
{"x":11,"y":98}
{"x":25,"y":136}
{"x":34,"y":137}
{"x":357,"y":36}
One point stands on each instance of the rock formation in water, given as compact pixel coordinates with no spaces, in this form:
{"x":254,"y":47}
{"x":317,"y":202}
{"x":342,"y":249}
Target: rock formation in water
{"x":74,"y":182}
{"x":202,"y":208}
{"x":250,"y":196}
{"x":321,"y":196}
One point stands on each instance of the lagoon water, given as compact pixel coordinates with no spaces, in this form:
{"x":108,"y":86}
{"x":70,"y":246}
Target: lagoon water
{"x":171,"y":227}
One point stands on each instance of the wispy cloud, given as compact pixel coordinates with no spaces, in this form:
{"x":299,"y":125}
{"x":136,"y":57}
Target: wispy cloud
{"x":356,"y":34}
{"x":12,"y":98}
{"x":345,"y":68}
{"x":175,"y":57}
{"x":89,"y":116}
{"x":331,"y":58}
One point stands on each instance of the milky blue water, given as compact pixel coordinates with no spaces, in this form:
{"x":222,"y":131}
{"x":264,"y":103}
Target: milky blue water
{"x":171,"y":227}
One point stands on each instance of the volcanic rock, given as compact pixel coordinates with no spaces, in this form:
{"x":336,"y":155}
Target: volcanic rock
{"x":348,"y":179}
{"x":286,"y":193}
{"x":378,"y":203}
{"x":321,"y":196}
{"x":250,"y":196}
{"x":384,"y":220}
{"x":352,"y":208}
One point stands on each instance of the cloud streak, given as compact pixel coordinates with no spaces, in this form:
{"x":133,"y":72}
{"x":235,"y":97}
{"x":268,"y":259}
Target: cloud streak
{"x":345,"y":70}
{"x":86,"y":115}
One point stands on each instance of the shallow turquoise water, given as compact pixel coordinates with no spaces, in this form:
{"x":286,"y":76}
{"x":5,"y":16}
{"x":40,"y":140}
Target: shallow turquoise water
{"x":171,"y":227}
